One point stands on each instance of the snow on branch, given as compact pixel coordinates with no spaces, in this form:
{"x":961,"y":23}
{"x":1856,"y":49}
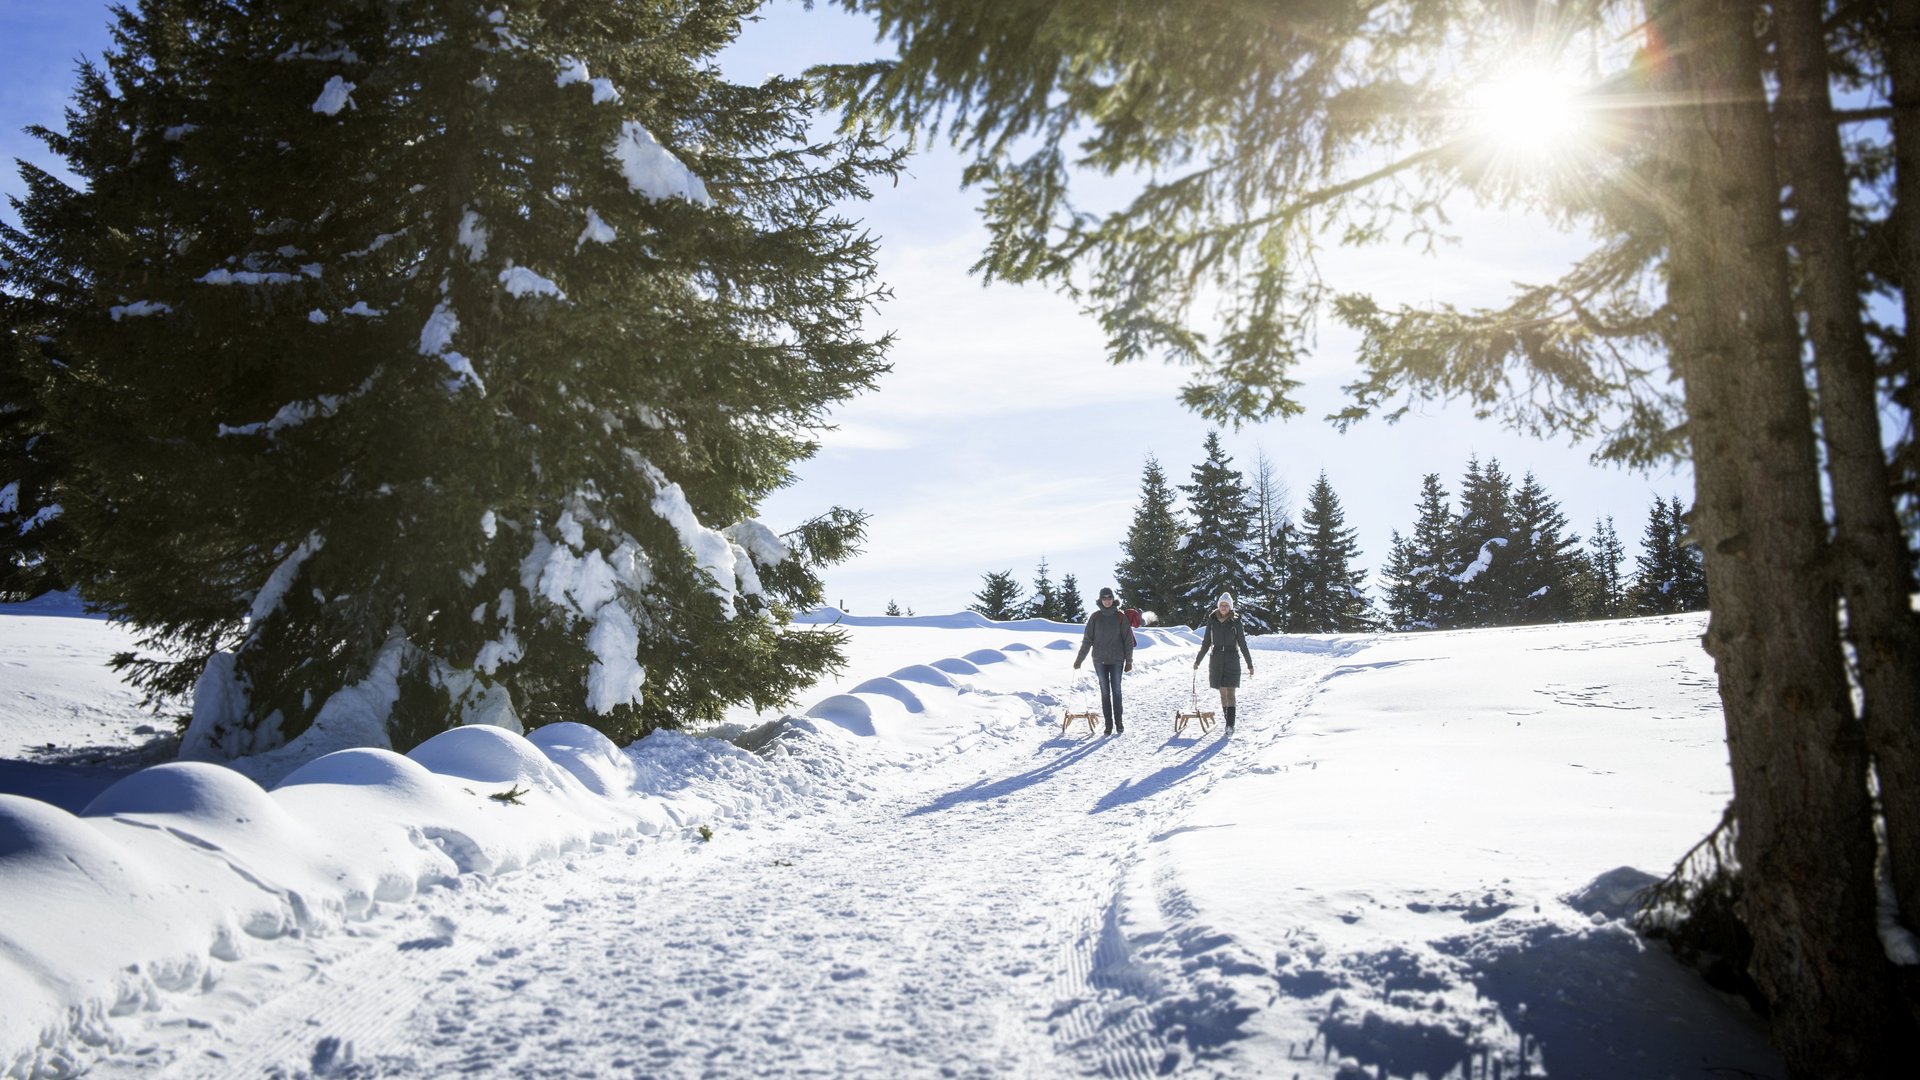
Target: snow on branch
{"x":436,"y":340}
{"x":597,"y":231}
{"x":520,"y":281}
{"x":652,"y":170}
{"x":336,"y":95}
{"x":268,"y":599}
{"x":574,"y":70}
{"x":257,"y":277}
{"x":1482,"y":564}
{"x":137,"y":309}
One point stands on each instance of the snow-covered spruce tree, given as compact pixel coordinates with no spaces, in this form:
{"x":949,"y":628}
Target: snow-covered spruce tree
{"x":1421,"y":591}
{"x":1220,"y":549}
{"x":1550,"y":572}
{"x":418,"y":349}
{"x":1073,"y":608}
{"x":1333,"y":595}
{"x":999,"y":596}
{"x":1481,"y":547}
{"x":1152,"y":570}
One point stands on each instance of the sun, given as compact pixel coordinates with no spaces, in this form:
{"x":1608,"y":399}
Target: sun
{"x":1527,"y":112}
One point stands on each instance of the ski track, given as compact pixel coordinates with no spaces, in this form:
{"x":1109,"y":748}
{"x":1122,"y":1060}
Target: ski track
{"x":972,"y":926}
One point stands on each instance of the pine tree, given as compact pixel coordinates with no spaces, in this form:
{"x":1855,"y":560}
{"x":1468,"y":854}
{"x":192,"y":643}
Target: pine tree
{"x":1152,"y":570}
{"x":1481,"y":548}
{"x":1421,"y":591}
{"x":1263,"y":601}
{"x":1219,"y":551}
{"x":1073,"y":609}
{"x":1549,"y":571}
{"x":32,"y":531}
{"x":1403,"y":585}
{"x":1045,"y":601}
{"x":999,"y":596}
{"x":1667,"y":577}
{"x":1232,"y":198}
{"x":1690,"y":576}
{"x":420,"y":344}
{"x":1333,"y":597}
{"x":892,"y":608}
{"x":1605,"y":554}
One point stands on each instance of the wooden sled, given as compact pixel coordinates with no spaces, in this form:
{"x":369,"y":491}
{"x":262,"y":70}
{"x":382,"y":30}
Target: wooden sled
{"x":1182,"y":719}
{"x":1205,"y":716}
{"x":1089,"y":716}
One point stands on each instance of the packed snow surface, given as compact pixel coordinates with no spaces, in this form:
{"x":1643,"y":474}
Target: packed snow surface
{"x":1411,"y":859}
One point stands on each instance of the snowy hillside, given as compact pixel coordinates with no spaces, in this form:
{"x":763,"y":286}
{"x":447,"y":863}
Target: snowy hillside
{"x":1388,"y":870}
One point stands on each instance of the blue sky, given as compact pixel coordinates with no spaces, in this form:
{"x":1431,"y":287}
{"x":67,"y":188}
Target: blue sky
{"x":1003,"y":434}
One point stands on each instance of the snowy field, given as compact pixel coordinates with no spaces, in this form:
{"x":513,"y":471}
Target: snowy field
{"x":1389,"y":870}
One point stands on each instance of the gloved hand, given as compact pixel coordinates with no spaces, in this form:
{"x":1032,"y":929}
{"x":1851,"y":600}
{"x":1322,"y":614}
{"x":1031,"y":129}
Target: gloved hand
{"x":1127,"y":666}
{"x":1196,"y":663}
{"x":1076,"y":665}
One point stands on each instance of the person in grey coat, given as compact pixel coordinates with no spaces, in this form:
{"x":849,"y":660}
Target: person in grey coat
{"x":1227,"y":639}
{"x":1109,"y":637}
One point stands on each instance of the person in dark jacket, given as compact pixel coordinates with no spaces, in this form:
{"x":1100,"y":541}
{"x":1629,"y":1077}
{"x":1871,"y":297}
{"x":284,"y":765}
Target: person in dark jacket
{"x":1227,"y":639}
{"x":1110,"y":640}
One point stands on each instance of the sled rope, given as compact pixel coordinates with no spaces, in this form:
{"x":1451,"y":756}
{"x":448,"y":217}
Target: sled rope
{"x":1182,"y":719}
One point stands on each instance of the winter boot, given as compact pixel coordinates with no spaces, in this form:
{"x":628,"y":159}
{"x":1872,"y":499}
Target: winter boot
{"x":1230,"y":709}
{"x":1118,"y":727}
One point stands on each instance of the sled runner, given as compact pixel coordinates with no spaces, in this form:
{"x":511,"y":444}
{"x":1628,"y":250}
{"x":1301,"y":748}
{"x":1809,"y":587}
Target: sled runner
{"x":1204,"y":716}
{"x":1088,"y":715}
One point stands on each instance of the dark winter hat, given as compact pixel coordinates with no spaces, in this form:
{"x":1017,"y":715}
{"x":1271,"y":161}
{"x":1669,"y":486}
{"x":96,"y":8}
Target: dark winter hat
{"x":1106,"y":594}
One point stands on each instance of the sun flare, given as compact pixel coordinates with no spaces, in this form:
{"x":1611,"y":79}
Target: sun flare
{"x":1527,"y":112}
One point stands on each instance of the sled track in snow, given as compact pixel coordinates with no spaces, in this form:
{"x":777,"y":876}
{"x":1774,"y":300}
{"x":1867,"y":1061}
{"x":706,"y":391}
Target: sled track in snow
{"x":1131,"y":989}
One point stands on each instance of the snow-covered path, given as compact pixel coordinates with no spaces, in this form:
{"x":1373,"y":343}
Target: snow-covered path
{"x":961,"y":926}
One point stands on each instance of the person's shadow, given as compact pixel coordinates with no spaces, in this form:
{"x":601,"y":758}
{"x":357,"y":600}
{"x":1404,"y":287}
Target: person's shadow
{"x":1157,"y":781}
{"x":984,"y":790}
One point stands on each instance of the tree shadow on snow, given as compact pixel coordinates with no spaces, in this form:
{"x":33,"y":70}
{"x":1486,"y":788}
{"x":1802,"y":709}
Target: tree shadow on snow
{"x":70,"y":776}
{"x":1595,"y":1004}
{"x":988,"y":790}
{"x":1157,"y":781}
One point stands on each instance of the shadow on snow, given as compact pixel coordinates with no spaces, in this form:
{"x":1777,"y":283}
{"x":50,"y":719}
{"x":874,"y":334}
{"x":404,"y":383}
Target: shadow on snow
{"x":988,"y":790}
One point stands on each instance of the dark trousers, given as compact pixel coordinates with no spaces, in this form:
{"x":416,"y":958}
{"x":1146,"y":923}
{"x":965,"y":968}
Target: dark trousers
{"x":1109,"y":675}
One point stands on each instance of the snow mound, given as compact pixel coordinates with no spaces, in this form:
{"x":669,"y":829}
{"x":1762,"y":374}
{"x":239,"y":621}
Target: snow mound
{"x":983,"y":657}
{"x":957,"y":666}
{"x":1615,"y":894}
{"x":491,"y":755}
{"x":924,"y":673}
{"x":590,"y":756}
{"x":850,"y":713}
{"x":192,"y":790}
{"x":893,"y":688}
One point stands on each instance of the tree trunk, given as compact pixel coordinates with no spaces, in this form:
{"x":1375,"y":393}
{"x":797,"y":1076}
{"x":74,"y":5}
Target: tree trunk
{"x":1903,"y":69}
{"x":1869,"y":549}
{"x":1806,"y":844}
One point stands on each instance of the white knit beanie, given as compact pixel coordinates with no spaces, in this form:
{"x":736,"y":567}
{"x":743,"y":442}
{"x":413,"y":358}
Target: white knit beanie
{"x":1226,"y":598}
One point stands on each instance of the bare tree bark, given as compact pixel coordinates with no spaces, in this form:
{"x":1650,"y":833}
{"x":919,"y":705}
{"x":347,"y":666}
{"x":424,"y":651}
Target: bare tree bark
{"x":1805,"y":844}
{"x":1869,"y":549}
